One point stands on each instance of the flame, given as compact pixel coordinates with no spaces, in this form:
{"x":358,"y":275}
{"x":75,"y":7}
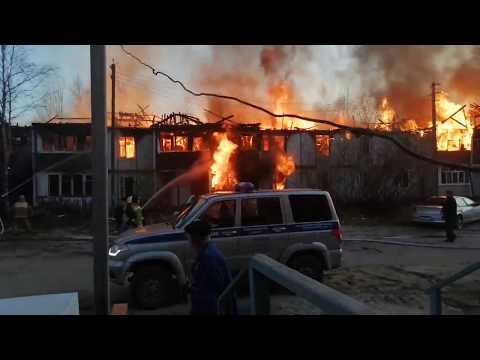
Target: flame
{"x":387,"y":115}
{"x":285,"y":167}
{"x":282,"y":95}
{"x":223,"y":176}
{"x":454,"y":134}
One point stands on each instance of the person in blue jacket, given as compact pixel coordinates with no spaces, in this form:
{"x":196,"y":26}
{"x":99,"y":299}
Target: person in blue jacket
{"x":210,"y":274}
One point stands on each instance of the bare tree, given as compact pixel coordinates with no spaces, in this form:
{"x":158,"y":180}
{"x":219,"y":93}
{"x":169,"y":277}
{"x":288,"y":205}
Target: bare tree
{"x":20,"y":81}
{"x":53,"y":102}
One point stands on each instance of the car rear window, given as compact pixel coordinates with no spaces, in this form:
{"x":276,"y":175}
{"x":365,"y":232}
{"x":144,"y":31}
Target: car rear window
{"x":309,"y":208}
{"x":261,"y":211}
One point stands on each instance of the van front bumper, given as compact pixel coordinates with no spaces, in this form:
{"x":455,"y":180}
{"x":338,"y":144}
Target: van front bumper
{"x":116,"y":270}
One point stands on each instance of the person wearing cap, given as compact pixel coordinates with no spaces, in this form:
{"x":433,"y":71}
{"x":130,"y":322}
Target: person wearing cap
{"x":21,"y":213}
{"x":210,"y":274}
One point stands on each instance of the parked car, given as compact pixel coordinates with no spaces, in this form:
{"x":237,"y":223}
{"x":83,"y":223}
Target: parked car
{"x":299,"y":228}
{"x":430,"y":211}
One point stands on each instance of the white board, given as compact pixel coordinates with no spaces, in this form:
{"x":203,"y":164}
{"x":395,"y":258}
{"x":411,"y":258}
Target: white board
{"x":55,"y":304}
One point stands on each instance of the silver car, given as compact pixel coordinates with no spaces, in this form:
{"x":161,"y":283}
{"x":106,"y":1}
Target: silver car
{"x":430,"y":211}
{"x":299,"y":228}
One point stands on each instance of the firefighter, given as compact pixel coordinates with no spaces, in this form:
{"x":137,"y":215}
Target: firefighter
{"x":21,"y":214}
{"x":449,"y":211}
{"x":210,"y":274}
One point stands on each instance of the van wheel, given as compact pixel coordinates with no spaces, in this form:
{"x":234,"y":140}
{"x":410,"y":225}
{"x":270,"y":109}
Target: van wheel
{"x":308,"y":265}
{"x":459,"y":222}
{"x":153,"y":287}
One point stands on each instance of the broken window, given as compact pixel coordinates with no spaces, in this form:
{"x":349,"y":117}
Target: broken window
{"x":322,"y":144}
{"x":127,"y":147}
{"x":266,"y":143}
{"x":171,"y":142}
{"x":53,"y":185}
{"x":199,"y":144}
{"x":88,"y":143}
{"x":279,"y":141}
{"x":47,"y":143}
{"x":181,"y":143}
{"x":70,"y":143}
{"x":247,"y":142}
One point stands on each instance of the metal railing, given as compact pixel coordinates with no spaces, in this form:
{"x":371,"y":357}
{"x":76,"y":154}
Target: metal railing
{"x":435,"y":291}
{"x":262,"y":270}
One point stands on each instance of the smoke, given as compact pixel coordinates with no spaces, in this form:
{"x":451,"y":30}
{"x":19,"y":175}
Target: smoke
{"x":404,"y":74}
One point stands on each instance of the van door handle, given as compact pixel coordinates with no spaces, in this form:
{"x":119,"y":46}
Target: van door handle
{"x":279,"y":229}
{"x":229,"y":233}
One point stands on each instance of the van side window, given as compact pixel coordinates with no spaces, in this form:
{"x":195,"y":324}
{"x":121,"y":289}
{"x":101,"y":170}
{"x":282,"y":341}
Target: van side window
{"x":220,"y":214}
{"x":310,"y":208}
{"x":261,"y":211}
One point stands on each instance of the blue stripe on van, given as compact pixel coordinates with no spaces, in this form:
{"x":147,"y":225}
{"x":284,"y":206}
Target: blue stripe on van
{"x":241,"y":231}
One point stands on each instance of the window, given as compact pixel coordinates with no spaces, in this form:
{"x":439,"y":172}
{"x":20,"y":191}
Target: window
{"x":322,"y":144}
{"x":53,"y":185}
{"x":66,"y":185}
{"x":309,"y":208}
{"x":460,"y":201}
{"x":88,"y":185}
{"x":279,"y":141}
{"x":266,"y":143}
{"x":453,"y":177}
{"x":173,"y":143}
{"x":247,"y":142}
{"x":127,"y":147}
{"x":261,"y":211}
{"x":220,"y":214}
{"x":199,"y":144}
{"x":468,"y":201}
{"x":78,"y":185}
{"x":70,"y":143}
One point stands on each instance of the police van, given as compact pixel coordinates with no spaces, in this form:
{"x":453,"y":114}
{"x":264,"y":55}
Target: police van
{"x":297,"y":227}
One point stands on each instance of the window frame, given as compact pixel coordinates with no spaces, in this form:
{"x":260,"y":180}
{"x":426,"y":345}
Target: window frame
{"x":125,"y":156}
{"x":236,"y":222}
{"x":446,"y":176}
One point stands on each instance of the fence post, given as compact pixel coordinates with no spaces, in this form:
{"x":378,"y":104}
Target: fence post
{"x":259,"y":293}
{"x":436,"y":302}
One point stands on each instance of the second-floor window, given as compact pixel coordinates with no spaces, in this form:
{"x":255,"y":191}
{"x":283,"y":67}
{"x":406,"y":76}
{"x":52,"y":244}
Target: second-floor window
{"x":56,"y":142}
{"x":127,"y":147}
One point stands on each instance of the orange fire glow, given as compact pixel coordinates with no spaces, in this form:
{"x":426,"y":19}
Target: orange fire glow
{"x":223,"y":176}
{"x":455,"y":133}
{"x":284,"y":168}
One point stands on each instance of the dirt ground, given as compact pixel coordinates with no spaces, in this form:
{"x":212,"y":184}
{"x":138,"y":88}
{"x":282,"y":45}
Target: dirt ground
{"x":386,"y":266}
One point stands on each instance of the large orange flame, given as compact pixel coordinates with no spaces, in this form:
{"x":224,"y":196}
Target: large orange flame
{"x":223,"y":176}
{"x":456,"y":133}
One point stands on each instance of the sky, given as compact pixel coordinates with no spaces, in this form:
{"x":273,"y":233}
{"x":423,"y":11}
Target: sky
{"x":185,"y":63}
{"x":321,"y":76}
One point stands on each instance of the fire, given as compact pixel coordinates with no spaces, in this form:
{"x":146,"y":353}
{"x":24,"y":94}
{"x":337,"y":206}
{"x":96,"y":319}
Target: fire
{"x":222,"y":173}
{"x":285,"y":167}
{"x":282,"y":95}
{"x":455,"y":133}
{"x":386,"y":117}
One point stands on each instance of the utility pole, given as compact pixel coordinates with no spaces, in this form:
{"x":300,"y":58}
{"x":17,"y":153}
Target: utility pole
{"x":112,"y":140}
{"x":434,"y":134}
{"x":100,"y":176}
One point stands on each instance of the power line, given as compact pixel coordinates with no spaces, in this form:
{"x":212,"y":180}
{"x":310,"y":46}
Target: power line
{"x":355,"y":130}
